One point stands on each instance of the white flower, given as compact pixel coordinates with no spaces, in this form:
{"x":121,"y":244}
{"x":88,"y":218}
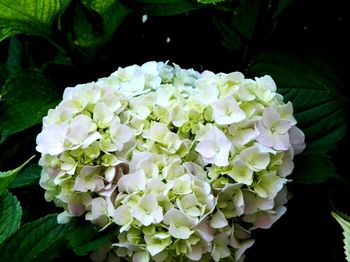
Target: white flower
{"x":51,"y":139}
{"x":227,"y":111}
{"x":186,"y":164}
{"x":215,"y":147}
{"x":273,"y":131}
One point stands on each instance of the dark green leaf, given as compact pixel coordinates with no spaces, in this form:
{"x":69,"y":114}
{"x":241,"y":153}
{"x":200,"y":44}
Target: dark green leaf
{"x":27,"y":97}
{"x":238,"y":32}
{"x":93,"y":25}
{"x":112,"y":13}
{"x":28,"y":176}
{"x":14,"y":56}
{"x":163,"y":7}
{"x":319,"y":108}
{"x":86,"y":238}
{"x":29,"y":16}
{"x":4,"y":73}
{"x":33,"y":239}
{"x":313,"y":168}
{"x":281,"y":6}
{"x":7,"y":177}
{"x":10,"y":215}
{"x":210,"y":1}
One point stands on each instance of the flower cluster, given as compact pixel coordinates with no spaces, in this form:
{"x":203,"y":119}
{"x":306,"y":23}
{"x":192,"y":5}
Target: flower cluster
{"x":185,"y":163}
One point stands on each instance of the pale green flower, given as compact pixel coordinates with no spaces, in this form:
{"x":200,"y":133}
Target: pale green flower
{"x":254,"y":158}
{"x":220,"y":247}
{"x":269,"y":185}
{"x":157,"y":242}
{"x":147,"y":211}
{"x":179,"y":224}
{"x":241,"y":173}
{"x":182,"y":185}
{"x":123,"y":217}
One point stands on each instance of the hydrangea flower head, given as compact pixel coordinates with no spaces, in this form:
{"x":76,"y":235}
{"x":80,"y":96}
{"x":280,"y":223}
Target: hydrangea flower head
{"x":183,"y":164}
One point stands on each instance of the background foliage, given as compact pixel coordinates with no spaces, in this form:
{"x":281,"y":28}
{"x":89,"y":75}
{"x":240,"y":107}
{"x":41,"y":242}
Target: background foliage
{"x":46,"y":46}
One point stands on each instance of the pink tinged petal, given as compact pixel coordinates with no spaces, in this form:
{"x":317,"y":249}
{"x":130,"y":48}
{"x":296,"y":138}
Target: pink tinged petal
{"x":77,"y":203}
{"x":80,"y":184}
{"x":243,"y":247}
{"x":282,"y":142}
{"x":282,"y":127}
{"x":265,"y":219}
{"x":79,"y":128}
{"x":206,"y":148}
{"x":287,"y":164}
{"x":265,"y":149}
{"x":51,"y":139}
{"x":270,"y":117}
{"x":297,"y":139}
{"x":266,"y":138}
{"x":282,"y":197}
{"x":98,"y":205}
{"x":195,"y":253}
{"x":107,"y":192}
{"x":205,"y":231}
{"x":218,"y":220}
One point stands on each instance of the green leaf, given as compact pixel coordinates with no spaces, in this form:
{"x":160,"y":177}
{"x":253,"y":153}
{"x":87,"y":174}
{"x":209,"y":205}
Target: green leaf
{"x":29,"y":16}
{"x":10,"y":215}
{"x":27,"y":97}
{"x":7,"y":177}
{"x":112,"y":13}
{"x":237,"y":33}
{"x":34,"y":239}
{"x":210,"y":1}
{"x":28,"y":176}
{"x":93,"y":25}
{"x":163,"y":7}
{"x":4,"y":73}
{"x":14,"y":56}
{"x":86,"y":238}
{"x":344,"y":222}
{"x":319,"y":107}
{"x":313,"y":168}
{"x":281,"y":6}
